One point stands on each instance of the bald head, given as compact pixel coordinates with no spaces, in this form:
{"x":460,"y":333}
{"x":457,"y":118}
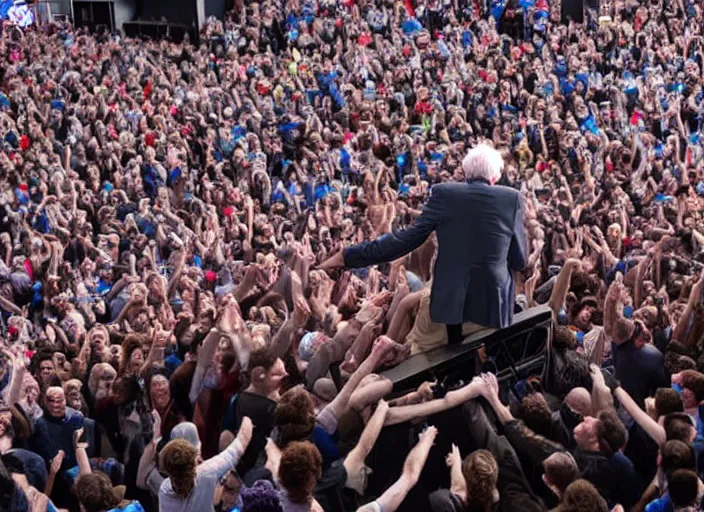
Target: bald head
{"x":580,"y":401}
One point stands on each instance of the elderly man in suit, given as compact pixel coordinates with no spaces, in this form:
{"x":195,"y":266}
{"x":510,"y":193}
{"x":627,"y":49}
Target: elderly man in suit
{"x":479,"y":228}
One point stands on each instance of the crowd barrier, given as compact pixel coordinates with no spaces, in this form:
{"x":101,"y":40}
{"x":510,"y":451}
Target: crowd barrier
{"x":513,"y":353}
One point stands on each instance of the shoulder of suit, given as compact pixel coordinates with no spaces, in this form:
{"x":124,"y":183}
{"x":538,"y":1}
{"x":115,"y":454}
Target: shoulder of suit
{"x":509,"y":191}
{"x":448,"y":187}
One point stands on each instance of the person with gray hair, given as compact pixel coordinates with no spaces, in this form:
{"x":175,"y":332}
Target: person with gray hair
{"x":483,"y":162}
{"x":481,"y":242}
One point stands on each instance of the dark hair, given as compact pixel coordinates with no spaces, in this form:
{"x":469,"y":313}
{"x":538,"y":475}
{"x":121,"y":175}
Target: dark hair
{"x":536,"y":414}
{"x":300,"y":469}
{"x":132,"y":342}
{"x":129,"y":385}
{"x":683,"y":487}
{"x":95,"y":492}
{"x":563,"y":337}
{"x":42,"y":355}
{"x":13,"y":464}
{"x":262,"y":357}
{"x":694,"y":381}
{"x":10,"y":494}
{"x":561,"y":469}
{"x":582,"y":496}
{"x":676,"y":363}
{"x":677,"y":455}
{"x":611,"y":433}
{"x":678,"y":427}
{"x":667,"y":400}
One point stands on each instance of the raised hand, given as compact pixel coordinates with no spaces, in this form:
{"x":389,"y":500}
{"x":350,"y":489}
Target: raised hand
{"x":301,"y":312}
{"x":77,"y":443}
{"x":491,"y":384}
{"x":57,"y":461}
{"x":156,"y":428}
{"x":453,"y":457}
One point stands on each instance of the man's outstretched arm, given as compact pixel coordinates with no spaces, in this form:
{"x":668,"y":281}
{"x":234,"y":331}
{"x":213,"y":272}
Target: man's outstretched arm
{"x":391,"y":246}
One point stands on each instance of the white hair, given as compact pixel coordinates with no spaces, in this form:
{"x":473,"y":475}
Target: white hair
{"x":483,"y":162}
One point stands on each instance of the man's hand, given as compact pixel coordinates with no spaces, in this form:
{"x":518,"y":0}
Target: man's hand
{"x":453,"y":457}
{"x":425,"y":391}
{"x":77,"y":443}
{"x":336,"y":261}
{"x":156,"y":428}
{"x":597,"y":377}
{"x":491,"y":386}
{"x":57,"y":461}
{"x":474,"y":389}
{"x":301,"y":312}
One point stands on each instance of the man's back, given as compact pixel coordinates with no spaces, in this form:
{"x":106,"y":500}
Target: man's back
{"x":479,"y":244}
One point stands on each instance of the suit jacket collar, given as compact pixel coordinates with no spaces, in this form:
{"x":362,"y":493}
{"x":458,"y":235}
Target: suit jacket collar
{"x":480,"y":181}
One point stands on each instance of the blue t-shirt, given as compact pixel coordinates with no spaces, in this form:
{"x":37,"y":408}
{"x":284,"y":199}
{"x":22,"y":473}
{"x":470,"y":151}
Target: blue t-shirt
{"x":326,"y":445}
{"x":660,"y":505}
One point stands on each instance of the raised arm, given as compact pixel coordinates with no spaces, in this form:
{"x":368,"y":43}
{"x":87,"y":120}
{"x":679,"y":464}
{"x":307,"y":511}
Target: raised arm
{"x":611,"y":304}
{"x":601,"y":394}
{"x":147,"y":462}
{"x":391,"y":246}
{"x":355,"y":459}
{"x":458,"y":485}
{"x":536,"y":447}
{"x":204,"y":359}
{"x":452,"y":399}
{"x":394,"y":495}
{"x":14,"y":389}
{"x":562,"y":286}
{"x":651,"y":427}
{"x":680,"y":331}
{"x":341,"y":401}
{"x":156,"y":351}
{"x":81,"y":448}
{"x":228,"y":458}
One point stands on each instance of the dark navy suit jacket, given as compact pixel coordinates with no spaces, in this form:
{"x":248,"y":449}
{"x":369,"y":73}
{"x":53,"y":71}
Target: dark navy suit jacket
{"x":480,"y":242}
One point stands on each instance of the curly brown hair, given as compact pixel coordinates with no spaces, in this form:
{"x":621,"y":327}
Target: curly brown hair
{"x":178,"y":458}
{"x":95,"y":492}
{"x":536,"y":413}
{"x":294,"y":416}
{"x":481,"y":472}
{"x":582,"y":496}
{"x":300,"y":469}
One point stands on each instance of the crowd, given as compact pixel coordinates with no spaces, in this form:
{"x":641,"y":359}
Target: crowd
{"x":169,"y":344}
